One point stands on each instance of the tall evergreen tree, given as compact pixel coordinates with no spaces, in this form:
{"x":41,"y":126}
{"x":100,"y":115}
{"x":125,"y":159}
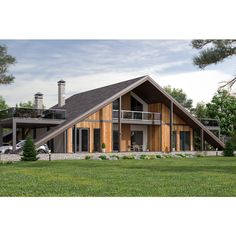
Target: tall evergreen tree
{"x":5,"y":61}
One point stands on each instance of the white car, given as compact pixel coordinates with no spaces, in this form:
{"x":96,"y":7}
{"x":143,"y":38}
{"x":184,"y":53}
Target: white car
{"x":7,"y":149}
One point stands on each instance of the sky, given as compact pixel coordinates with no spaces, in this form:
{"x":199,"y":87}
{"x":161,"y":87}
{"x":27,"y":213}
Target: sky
{"x":88,"y":64}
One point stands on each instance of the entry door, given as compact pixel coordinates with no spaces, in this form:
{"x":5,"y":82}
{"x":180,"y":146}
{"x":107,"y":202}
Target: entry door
{"x":84,"y":140}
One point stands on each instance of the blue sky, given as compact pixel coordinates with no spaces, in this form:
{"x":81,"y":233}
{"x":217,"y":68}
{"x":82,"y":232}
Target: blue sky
{"x":87,"y":64}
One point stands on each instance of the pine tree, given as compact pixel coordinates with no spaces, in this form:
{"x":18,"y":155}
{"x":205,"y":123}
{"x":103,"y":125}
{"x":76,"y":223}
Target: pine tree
{"x":5,"y":61}
{"x":29,"y":150}
{"x":213,"y":52}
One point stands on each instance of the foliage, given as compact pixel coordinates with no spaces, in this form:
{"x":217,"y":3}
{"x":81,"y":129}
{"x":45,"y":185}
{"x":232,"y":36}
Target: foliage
{"x":103,"y":146}
{"x":3,"y":104}
{"x":29,"y":150}
{"x":148,"y":157}
{"x":87,"y":157}
{"x":200,"y":111}
{"x":229,"y":149}
{"x":213,"y":52}
{"x":28,"y":104}
{"x":5,"y":61}
{"x":223,"y":108}
{"x":180,"y":96}
{"x":128,"y":157}
{"x":103,"y":157}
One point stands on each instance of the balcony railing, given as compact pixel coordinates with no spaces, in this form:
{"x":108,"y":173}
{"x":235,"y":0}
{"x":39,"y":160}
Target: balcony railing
{"x":209,"y":122}
{"x":33,"y":113}
{"x":137,"y":115}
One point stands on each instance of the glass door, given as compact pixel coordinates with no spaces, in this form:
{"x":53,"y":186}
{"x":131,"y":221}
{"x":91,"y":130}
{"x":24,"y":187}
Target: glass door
{"x":84,"y":140}
{"x":96,"y":140}
{"x":184,"y":140}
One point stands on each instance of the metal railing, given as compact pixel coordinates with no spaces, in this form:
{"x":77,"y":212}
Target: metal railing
{"x":137,"y":115}
{"x":210,"y":122}
{"x":33,"y":113}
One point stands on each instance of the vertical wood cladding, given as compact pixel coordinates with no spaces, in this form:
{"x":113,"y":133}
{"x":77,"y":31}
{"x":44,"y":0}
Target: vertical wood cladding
{"x":126,"y":102}
{"x":125,"y":137}
{"x":96,"y":120}
{"x":158,"y":135}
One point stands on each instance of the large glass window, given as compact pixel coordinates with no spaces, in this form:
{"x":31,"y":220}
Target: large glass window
{"x":96,"y":140}
{"x":136,"y":105}
{"x":174,"y":141}
{"x":184,"y":140}
{"x":115,"y":140}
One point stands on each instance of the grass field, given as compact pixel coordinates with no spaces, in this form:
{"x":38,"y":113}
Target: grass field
{"x":163,"y":177}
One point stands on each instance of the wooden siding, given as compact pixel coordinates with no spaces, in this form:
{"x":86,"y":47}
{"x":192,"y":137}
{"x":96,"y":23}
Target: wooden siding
{"x":97,"y":120}
{"x":158,"y":136}
{"x":125,"y":137}
{"x":154,"y":138}
{"x":126,"y":102}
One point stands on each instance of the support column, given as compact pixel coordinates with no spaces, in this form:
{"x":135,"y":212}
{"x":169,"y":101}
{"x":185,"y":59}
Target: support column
{"x":13,"y":135}
{"x":171,"y":125}
{"x":202,"y":140}
{"x":65,"y":141}
{"x":119,"y":124}
{"x":1,"y":136}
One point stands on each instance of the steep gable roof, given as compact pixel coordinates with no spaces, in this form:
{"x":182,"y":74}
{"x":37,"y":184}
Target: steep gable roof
{"x":81,"y":105}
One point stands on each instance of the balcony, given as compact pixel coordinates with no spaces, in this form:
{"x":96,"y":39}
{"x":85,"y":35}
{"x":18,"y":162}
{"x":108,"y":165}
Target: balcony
{"x":26,"y":113}
{"x":211,"y":124}
{"x":137,"y":117}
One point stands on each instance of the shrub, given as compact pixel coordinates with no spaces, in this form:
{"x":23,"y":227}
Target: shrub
{"x":128,"y":157}
{"x":142,"y":156}
{"x":87,"y":157}
{"x":103,"y":157}
{"x":229,"y":149}
{"x":159,"y":156}
{"x":29,"y":150}
{"x":103,"y":146}
{"x":114,"y":156}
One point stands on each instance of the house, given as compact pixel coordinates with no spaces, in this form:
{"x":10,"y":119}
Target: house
{"x":134,"y":115}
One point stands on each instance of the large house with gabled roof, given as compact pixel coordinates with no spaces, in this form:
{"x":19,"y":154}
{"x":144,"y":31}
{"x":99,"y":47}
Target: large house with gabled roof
{"x":134,"y":115}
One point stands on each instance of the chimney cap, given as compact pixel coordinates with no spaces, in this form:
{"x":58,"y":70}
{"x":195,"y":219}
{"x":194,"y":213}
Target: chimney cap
{"x":61,"y":82}
{"x":38,"y":94}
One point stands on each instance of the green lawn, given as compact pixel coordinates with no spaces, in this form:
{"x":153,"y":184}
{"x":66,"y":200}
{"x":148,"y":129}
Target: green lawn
{"x":162,"y":177}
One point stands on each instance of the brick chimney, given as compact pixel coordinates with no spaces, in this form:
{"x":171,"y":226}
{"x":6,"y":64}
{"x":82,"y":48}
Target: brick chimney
{"x":61,"y":93}
{"x":38,"y":100}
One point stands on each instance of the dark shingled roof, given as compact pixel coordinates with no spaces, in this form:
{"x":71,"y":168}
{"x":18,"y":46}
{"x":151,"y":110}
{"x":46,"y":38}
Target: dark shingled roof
{"x":80,"y":103}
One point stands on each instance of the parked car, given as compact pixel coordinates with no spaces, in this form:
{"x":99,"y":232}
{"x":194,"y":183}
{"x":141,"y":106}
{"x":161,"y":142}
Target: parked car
{"x":7,"y":149}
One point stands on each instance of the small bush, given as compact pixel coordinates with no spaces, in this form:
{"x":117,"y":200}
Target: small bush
{"x":103,"y":146}
{"x":29,"y":150}
{"x":87,"y":157}
{"x":6,"y":163}
{"x":159,"y":156}
{"x":128,"y":157}
{"x":103,"y":157}
{"x":148,"y":157}
{"x":114,"y":156}
{"x":229,"y":149}
{"x":143,"y":156}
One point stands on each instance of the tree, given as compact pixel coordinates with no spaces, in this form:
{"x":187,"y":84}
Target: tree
{"x":29,"y":150}
{"x":180,"y":96}
{"x":229,"y":149}
{"x":3,"y":104}
{"x":5,"y":61}
{"x":200,"y":111}
{"x":213,"y":52}
{"x":223,"y":107}
{"x":28,"y":104}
